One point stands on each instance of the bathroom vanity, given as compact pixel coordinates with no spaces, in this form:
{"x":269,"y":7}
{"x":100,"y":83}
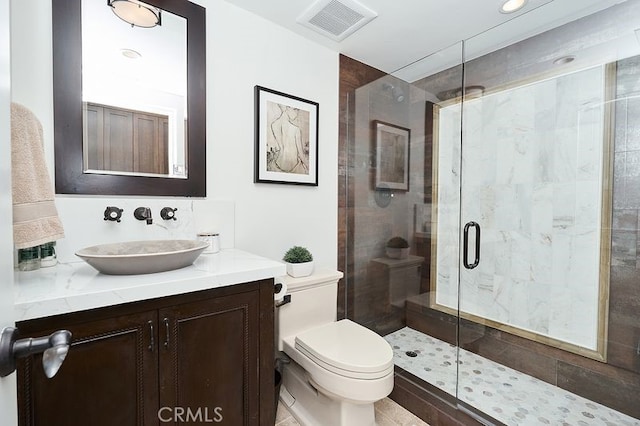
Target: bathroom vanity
{"x":199,"y":344}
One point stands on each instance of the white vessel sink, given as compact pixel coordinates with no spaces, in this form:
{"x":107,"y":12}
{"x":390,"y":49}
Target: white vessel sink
{"x":142,"y":257}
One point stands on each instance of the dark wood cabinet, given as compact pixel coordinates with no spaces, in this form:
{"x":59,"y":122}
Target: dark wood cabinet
{"x":204,"y":357}
{"x":118,"y":139}
{"x":150,"y":143}
{"x":108,"y":377}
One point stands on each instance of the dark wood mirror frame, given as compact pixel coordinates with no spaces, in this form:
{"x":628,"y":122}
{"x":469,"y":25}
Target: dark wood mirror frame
{"x":67,"y":104}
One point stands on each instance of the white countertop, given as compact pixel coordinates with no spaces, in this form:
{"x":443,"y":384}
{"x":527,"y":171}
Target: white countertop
{"x":72,"y":287}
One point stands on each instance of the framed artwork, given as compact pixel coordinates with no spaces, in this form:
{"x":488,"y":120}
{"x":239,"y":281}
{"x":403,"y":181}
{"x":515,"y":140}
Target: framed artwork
{"x":392,"y":156}
{"x":286,"y":138}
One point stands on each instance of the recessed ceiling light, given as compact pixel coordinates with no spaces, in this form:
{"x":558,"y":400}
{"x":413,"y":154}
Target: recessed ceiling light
{"x":511,"y":6}
{"x":130,"y":53}
{"x":564,"y":60}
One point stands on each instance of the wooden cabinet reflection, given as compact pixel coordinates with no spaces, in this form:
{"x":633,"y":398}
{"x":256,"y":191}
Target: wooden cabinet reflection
{"x":123,"y":140}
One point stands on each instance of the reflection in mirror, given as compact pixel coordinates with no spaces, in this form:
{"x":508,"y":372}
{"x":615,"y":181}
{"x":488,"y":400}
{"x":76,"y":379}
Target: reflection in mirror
{"x":85,"y":104}
{"x":134,"y":94}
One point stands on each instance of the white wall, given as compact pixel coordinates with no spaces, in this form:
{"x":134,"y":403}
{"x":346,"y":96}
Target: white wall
{"x":245,"y":50}
{"x":242,"y":50}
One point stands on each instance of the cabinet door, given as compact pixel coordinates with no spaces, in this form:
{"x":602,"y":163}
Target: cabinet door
{"x":150,"y":143}
{"x":93,"y":136}
{"x":118,"y":140}
{"x":209,"y":361}
{"x":162,"y":159}
{"x":109,"y":377}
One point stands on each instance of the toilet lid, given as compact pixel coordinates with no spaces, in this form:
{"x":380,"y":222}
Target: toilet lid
{"x":347,"y":347}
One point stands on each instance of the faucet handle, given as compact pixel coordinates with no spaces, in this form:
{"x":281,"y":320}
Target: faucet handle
{"x":113,"y":214}
{"x":143,"y":213}
{"x":167,"y":213}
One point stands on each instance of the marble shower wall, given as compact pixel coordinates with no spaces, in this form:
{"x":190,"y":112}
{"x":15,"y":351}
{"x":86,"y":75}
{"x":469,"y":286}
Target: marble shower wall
{"x":532,"y":178}
{"x":353,"y":74}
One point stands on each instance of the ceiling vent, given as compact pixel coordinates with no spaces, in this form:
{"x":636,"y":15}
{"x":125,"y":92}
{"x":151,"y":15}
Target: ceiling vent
{"x":336,"y":19}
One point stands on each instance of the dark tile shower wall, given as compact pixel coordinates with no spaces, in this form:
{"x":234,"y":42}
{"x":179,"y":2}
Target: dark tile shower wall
{"x":377,"y":219}
{"x":368,"y":230}
{"x":353,"y":74}
{"x":624,"y":306}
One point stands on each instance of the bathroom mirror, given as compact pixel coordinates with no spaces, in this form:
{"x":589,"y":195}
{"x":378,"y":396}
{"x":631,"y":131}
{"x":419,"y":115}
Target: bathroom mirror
{"x":150,"y":140}
{"x":134,"y":95}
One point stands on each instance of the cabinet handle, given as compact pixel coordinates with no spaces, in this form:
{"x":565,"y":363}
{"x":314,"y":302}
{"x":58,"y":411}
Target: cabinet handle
{"x":166,"y":327}
{"x":151,"y":333}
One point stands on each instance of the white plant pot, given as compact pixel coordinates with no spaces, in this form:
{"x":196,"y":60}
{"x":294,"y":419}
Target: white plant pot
{"x":397,"y":253}
{"x":298,"y":270}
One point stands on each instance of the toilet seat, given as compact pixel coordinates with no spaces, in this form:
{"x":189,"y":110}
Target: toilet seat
{"x":347,"y":349}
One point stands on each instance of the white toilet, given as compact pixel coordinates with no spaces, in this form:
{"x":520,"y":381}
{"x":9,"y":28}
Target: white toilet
{"x":338,"y":368}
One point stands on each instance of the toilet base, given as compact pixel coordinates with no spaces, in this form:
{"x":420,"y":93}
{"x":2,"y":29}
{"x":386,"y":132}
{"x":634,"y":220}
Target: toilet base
{"x":312,"y":408}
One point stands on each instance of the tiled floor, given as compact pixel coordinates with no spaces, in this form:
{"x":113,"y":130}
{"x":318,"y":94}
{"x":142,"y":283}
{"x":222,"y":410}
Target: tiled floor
{"x":388,"y":413}
{"x":507,"y":395}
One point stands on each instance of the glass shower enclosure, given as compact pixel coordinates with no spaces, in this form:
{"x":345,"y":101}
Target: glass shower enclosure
{"x":513,"y":177}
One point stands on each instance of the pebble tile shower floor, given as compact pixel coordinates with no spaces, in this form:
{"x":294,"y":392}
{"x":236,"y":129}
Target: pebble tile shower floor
{"x":505,"y":394}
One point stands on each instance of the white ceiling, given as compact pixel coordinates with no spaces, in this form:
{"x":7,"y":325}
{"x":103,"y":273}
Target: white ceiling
{"x":407,"y":30}
{"x":159,"y":69}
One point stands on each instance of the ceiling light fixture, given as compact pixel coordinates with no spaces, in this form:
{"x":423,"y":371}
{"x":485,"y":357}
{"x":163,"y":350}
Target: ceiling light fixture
{"x":511,"y":6}
{"x":136,"y":13}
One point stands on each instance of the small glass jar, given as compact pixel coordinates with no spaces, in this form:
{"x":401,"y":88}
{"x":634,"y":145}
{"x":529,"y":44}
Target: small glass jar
{"x":211,"y":238}
{"x":29,"y":259}
{"x":48,"y":255}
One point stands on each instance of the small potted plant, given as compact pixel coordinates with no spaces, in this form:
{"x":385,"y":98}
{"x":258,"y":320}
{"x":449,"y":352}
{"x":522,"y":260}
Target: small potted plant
{"x":299,"y":261}
{"x":397,"y":248}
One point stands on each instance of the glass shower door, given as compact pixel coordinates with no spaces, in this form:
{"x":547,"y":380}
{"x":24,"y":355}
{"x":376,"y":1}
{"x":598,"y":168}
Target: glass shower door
{"x":514,"y":178}
{"x":392,"y":195}
{"x":544,"y":193}
{"x":531,"y":208}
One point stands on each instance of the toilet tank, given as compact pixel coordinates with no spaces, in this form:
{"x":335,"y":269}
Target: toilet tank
{"x":313,"y":303}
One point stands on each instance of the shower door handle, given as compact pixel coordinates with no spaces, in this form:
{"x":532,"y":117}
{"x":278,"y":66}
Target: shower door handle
{"x":465,"y":246}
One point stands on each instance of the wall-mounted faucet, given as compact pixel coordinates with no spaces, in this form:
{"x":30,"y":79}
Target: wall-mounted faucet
{"x":143,"y":213}
{"x":167,"y":213}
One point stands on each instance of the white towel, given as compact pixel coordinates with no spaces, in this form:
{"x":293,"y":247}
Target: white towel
{"x":35,"y":217}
